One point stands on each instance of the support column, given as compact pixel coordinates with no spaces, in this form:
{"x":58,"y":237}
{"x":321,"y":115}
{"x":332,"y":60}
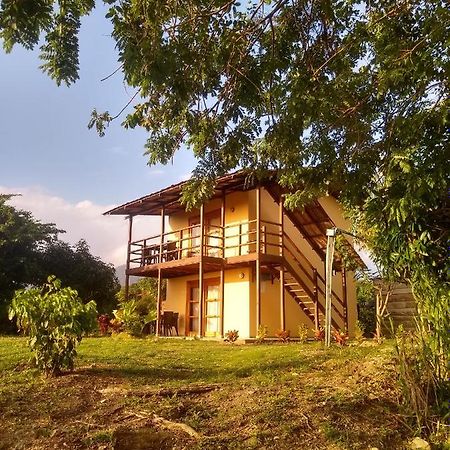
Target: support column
{"x":159,"y":299}
{"x":282,"y":298}
{"x":258,"y":258}
{"x":200,"y":271}
{"x":316,"y":300}
{"x":127,"y":267}
{"x":222,"y":269}
{"x":331,"y":236}
{"x":344,"y":296}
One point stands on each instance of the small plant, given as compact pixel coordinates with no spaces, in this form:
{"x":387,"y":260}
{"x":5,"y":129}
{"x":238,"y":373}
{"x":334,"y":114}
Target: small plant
{"x":359,"y":331}
{"x":319,"y":334}
{"x":302,"y":333}
{"x":283,"y":335}
{"x":103,"y":323}
{"x":340,"y":337}
{"x":55,"y":320}
{"x":231,"y":336}
{"x":116,"y":325}
{"x":262,"y":334}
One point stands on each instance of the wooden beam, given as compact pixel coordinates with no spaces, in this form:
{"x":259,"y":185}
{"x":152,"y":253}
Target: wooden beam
{"x":331,"y":238}
{"x":158,"y":305}
{"x":222,"y":269}
{"x":316,"y":300}
{"x":159,"y":300}
{"x":344,"y":296}
{"x":127,"y":277}
{"x":258,"y":258}
{"x":161,"y":242}
{"x":200,"y":271}
{"x":282,"y":298}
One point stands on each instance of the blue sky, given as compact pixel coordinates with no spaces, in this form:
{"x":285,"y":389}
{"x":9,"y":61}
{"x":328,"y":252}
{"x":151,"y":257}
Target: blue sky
{"x":47,"y":152}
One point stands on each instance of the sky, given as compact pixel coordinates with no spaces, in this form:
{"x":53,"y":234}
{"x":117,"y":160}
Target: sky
{"x":67,"y":174}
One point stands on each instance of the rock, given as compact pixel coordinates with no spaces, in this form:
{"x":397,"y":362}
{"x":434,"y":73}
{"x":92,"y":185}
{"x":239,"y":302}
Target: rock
{"x":419,"y":444}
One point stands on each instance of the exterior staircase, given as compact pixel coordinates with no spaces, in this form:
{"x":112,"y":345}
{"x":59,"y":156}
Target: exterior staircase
{"x":307,"y":287}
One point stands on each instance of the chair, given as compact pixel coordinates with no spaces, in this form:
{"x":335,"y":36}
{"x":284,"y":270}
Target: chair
{"x":171,"y":251}
{"x":169,"y":322}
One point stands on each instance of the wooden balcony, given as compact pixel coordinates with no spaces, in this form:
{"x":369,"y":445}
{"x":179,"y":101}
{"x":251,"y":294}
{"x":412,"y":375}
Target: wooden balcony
{"x":179,"y":252}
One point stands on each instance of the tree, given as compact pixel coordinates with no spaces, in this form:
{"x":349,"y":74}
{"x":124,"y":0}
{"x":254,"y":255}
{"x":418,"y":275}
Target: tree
{"x":343,"y":96}
{"x":30,"y":251}
{"x":78,"y":268}
{"x":55,"y":320}
{"x":22,"y":240}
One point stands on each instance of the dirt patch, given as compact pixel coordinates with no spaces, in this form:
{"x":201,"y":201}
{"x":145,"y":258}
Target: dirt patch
{"x":148,"y":437}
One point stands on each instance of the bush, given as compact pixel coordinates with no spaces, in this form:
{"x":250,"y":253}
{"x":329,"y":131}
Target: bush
{"x":359,"y":331}
{"x":55,"y":320}
{"x":231,"y":336}
{"x":319,"y":334}
{"x":139,"y":309}
{"x":103,"y":323}
{"x":340,"y":337}
{"x":302,"y":332}
{"x":129,"y":318}
{"x":283,"y":335}
{"x":261,"y":334}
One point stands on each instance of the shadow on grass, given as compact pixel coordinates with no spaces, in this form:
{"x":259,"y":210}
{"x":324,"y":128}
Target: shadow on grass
{"x":198,"y":373}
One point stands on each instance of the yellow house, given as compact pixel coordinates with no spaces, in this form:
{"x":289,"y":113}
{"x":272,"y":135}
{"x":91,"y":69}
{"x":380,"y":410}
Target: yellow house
{"x":241,"y":260}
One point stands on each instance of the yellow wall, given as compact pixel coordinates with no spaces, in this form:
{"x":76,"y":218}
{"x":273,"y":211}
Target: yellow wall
{"x":236,"y":304}
{"x":240,"y":285}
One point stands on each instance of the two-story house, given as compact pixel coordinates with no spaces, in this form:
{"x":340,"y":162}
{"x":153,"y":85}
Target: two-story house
{"x":242,"y":260}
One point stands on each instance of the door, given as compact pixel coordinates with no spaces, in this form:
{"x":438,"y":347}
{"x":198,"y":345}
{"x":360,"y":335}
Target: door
{"x":211,"y":308}
{"x":212,"y":231}
{"x":192,"y":309}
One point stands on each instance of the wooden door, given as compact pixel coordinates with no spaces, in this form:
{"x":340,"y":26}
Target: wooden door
{"x":211,"y":309}
{"x":192,"y":308}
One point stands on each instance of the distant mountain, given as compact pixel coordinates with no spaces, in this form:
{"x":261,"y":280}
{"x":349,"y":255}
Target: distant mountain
{"x":120,"y":272}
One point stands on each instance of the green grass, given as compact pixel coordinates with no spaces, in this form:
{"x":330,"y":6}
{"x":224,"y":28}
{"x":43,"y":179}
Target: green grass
{"x":278,"y":396}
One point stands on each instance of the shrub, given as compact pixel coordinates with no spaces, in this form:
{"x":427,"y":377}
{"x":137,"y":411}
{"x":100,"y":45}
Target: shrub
{"x":424,"y":394}
{"x":103,"y":323}
{"x":128,"y":319}
{"x":302,"y":333}
{"x":283,"y":335}
{"x":340,"y":337}
{"x":319,"y":334}
{"x":261,"y":334}
{"x":359,"y":331}
{"x":55,"y":320}
{"x":231,"y":336}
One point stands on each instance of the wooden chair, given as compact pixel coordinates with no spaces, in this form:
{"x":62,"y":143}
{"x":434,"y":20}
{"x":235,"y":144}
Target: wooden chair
{"x":169,"y":322}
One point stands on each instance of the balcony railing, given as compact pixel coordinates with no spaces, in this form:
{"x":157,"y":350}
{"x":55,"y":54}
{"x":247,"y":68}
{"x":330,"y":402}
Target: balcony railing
{"x":219,"y":242}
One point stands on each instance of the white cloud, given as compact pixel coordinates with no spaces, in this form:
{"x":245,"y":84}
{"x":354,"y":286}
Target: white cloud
{"x":106,"y":235}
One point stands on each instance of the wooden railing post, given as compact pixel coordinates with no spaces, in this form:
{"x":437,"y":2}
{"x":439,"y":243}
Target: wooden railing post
{"x":222,"y":268}
{"x":264,"y":242}
{"x":161,"y":243}
{"x":200,"y":271}
{"x":344,"y":296}
{"x":258,"y":258}
{"x":282,"y":298}
{"x":239,"y":239}
{"x":159,"y":299}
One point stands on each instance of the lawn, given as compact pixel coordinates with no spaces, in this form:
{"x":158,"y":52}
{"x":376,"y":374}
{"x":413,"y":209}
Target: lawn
{"x":137,"y":394}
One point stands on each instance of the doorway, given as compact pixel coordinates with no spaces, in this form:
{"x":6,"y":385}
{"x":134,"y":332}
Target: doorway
{"x":211,"y":308}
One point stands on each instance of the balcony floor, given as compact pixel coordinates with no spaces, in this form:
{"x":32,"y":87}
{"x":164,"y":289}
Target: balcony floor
{"x":189,"y":266}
